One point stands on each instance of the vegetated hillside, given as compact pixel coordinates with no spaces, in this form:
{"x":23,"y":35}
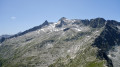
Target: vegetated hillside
{"x":66,"y":43}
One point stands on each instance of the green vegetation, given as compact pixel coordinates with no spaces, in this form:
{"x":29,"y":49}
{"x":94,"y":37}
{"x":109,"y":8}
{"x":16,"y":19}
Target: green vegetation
{"x":86,"y":58}
{"x":2,"y":61}
{"x":95,"y":64}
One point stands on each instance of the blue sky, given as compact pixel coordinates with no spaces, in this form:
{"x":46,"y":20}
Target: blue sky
{"x":20,"y":15}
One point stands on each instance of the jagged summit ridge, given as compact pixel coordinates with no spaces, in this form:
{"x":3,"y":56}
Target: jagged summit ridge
{"x":97,"y":22}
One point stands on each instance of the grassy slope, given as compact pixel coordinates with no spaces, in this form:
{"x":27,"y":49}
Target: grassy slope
{"x":86,"y":58}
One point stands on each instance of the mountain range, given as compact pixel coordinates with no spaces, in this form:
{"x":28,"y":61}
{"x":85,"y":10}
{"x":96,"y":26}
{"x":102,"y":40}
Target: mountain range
{"x":65,"y":43}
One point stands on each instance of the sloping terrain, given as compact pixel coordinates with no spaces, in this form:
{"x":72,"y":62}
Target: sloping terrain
{"x":66,"y":43}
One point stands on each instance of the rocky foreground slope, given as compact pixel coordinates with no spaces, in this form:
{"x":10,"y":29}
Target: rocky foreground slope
{"x":66,"y":43}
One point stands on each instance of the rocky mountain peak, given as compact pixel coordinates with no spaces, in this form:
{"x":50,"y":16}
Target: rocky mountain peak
{"x":97,"y":22}
{"x":62,"y":18}
{"x":62,"y":21}
{"x":45,"y":23}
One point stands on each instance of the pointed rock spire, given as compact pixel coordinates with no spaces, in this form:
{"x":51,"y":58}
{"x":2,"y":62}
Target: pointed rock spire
{"x":45,"y":23}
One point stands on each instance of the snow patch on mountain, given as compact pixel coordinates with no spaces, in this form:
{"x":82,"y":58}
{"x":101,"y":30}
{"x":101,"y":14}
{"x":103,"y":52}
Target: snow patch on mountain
{"x":49,"y":45}
{"x":78,"y":29}
{"x":49,"y":28}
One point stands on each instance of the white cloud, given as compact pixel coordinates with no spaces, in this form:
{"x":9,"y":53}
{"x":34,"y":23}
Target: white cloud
{"x":13,"y":17}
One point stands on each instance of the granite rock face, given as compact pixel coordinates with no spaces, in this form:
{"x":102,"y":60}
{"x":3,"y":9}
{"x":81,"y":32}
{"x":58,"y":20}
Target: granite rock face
{"x":66,"y":43}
